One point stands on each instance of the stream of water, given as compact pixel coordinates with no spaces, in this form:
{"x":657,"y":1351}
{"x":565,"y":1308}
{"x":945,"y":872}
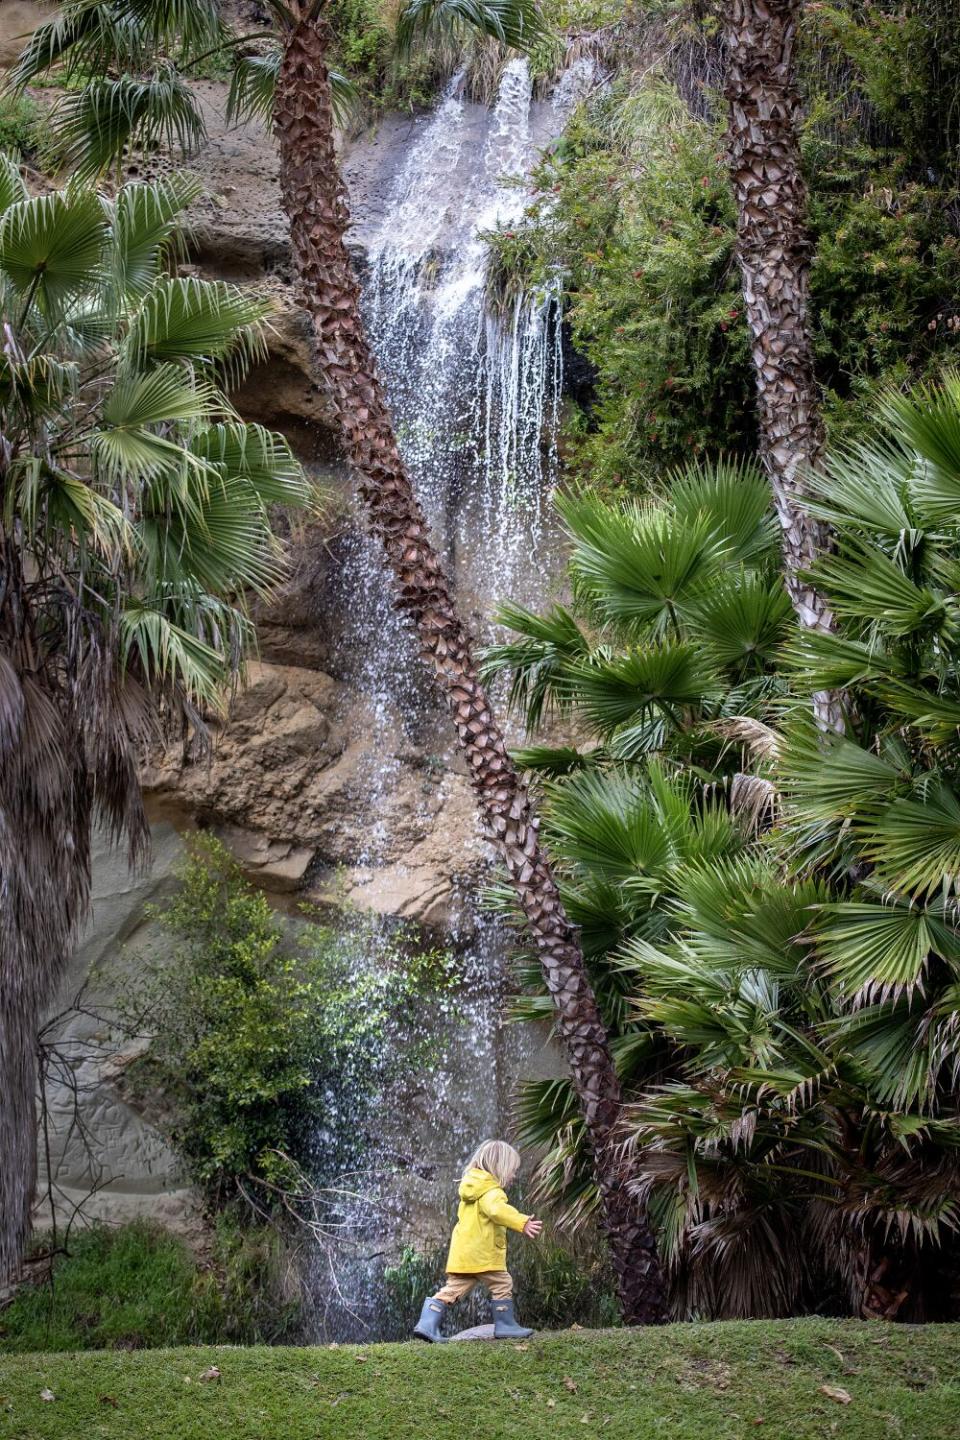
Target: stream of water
{"x":475,"y":397}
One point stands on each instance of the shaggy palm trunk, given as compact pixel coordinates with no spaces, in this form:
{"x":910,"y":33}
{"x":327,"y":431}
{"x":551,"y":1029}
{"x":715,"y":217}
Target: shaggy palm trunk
{"x":19,"y":1023}
{"x":773,"y":249}
{"x":315,"y":203}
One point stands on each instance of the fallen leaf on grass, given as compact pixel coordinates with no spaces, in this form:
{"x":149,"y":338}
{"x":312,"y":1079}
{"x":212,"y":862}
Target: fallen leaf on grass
{"x":576,"y":1327}
{"x":551,"y":1404}
{"x":521,"y":1347}
{"x":212,"y":1374}
{"x":586,"y":1417}
{"x":361,"y":1359}
{"x":836,"y":1392}
{"x":569,"y":1384}
{"x":109,"y":1400}
{"x":46,"y":1394}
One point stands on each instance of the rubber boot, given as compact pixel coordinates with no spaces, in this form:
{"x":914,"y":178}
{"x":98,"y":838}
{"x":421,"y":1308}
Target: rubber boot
{"x":505,"y":1326}
{"x":428,"y":1326}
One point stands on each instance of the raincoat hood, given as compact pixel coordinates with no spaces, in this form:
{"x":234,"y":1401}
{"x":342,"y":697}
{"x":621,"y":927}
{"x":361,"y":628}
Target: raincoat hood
{"x":476,"y":1183}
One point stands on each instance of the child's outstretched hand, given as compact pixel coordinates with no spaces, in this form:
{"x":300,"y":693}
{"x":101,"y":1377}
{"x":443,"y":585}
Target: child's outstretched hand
{"x":532,"y":1228}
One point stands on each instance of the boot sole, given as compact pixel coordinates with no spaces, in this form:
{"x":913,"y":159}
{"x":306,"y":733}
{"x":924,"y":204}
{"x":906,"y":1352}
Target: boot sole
{"x":429,"y":1339}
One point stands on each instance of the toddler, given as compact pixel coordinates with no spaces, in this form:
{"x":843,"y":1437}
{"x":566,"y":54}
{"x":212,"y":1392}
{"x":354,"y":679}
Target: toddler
{"x":478,"y":1248}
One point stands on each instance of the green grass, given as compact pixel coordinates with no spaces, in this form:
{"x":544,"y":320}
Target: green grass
{"x":686,"y":1382}
{"x":137,"y":1286}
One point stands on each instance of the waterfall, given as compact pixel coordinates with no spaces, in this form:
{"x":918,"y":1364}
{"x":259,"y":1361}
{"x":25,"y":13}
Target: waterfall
{"x":475,"y":398}
{"x":470,"y":396}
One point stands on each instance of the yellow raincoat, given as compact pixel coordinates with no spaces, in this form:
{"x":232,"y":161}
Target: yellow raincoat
{"x":479,"y":1240}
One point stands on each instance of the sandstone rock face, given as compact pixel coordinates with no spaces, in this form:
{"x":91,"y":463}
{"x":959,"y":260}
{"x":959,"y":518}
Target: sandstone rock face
{"x":18,"y":20}
{"x":285,"y":788}
{"x":104,"y":1155}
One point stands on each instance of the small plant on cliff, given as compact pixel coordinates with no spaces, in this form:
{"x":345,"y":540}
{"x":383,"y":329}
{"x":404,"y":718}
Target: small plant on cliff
{"x":271,"y":1038}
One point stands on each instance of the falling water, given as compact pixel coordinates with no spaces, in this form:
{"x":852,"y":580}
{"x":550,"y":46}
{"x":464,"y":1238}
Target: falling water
{"x":475,"y":397}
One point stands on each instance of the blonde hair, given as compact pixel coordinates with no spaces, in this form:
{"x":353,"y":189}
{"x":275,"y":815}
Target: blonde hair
{"x":498,"y":1158}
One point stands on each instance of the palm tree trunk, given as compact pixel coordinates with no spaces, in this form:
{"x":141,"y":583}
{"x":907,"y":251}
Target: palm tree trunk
{"x":19,"y":1023}
{"x":773,"y":249}
{"x":315,"y":202}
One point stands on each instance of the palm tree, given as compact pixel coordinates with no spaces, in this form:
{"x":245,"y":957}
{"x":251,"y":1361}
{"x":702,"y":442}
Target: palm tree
{"x":773,"y":250}
{"x":133,"y":520}
{"x":783,"y":996}
{"x":98,"y":36}
{"x":678,"y":619}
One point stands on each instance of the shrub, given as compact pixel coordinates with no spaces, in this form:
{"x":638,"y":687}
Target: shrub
{"x":270,"y":1040}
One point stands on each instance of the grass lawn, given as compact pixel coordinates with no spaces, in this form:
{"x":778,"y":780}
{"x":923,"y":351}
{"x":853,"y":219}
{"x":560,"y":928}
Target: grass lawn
{"x":686,"y":1382}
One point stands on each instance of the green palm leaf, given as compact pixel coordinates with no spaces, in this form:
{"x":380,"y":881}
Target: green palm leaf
{"x":743,"y":622}
{"x":145,"y":230}
{"x":169,"y":655}
{"x":915,"y":844}
{"x":516,"y":23}
{"x":734,"y":497}
{"x":664,"y":679}
{"x":95,"y":125}
{"x":876,"y":950}
{"x":928,"y":422}
{"x":537,"y":660}
{"x":260,"y":457}
{"x":197,"y":320}
{"x":607,"y":824}
{"x":867,"y":484}
{"x":218,"y":540}
{"x":865,"y":584}
{"x":125,"y":447}
{"x":828,"y":777}
{"x":84,"y":35}
{"x":638,"y":566}
{"x":12,"y":187}
{"x":54,"y":247}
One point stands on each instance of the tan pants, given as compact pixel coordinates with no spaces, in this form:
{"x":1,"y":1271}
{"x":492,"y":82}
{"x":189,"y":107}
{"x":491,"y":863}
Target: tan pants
{"x":457,"y":1287}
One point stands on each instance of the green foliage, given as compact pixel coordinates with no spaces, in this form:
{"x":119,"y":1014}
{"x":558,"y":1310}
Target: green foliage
{"x":270,"y":1042}
{"x":633,"y":211}
{"x":138,"y":1287}
{"x":771,"y":924}
{"x":632,"y":208}
{"x":20,"y":124}
{"x":904,"y":56}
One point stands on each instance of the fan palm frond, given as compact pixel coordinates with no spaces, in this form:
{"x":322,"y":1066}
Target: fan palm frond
{"x":95,"y":125}
{"x":517,"y":24}
{"x":734,"y":497}
{"x":53,"y":247}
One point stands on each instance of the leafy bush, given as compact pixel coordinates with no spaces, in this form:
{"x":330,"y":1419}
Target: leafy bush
{"x":270,"y":1041}
{"x":632,"y":208}
{"x":137,"y":1286}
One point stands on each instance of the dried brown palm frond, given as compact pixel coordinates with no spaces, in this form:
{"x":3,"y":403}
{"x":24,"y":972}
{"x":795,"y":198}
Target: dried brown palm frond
{"x":755,"y":801}
{"x":760,"y":740}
